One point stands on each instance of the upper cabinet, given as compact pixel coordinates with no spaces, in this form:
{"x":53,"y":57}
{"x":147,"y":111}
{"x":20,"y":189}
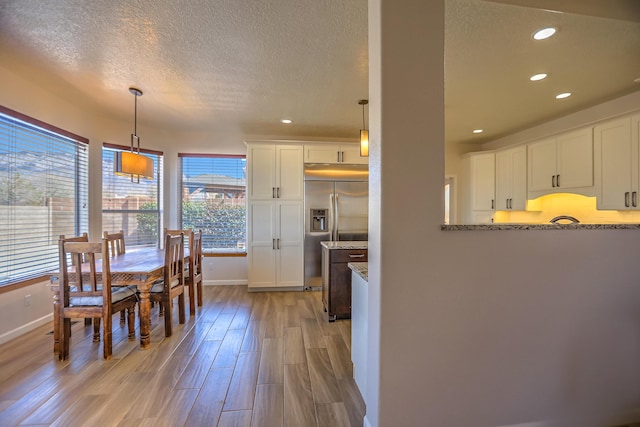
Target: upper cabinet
{"x":275,"y":172}
{"x":617,"y":168}
{"x":334,"y":153}
{"x":563,"y":163}
{"x":511,"y":179}
{"x":481,"y":183}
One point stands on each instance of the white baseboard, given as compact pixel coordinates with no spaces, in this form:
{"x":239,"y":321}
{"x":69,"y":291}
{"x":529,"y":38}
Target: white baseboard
{"x":223,"y":282}
{"x":7,"y":336}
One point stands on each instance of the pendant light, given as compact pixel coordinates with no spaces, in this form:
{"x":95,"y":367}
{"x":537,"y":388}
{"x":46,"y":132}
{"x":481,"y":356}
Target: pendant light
{"x":132,"y":163}
{"x":364,"y":133}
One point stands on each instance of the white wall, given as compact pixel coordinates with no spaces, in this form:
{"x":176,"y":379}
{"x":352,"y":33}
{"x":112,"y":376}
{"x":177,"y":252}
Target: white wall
{"x":480,"y":328}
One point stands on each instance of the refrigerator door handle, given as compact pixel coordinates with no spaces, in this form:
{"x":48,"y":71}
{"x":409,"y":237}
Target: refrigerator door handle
{"x":337,"y":217}
{"x":331,"y":222}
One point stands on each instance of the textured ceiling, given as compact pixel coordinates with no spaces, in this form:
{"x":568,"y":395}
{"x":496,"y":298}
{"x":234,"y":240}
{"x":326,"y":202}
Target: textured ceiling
{"x":245,"y":64}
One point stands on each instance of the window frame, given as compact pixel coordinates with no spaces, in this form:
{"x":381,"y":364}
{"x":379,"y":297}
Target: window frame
{"x":213,"y":252}
{"x":80,"y":187}
{"x":158,"y":176}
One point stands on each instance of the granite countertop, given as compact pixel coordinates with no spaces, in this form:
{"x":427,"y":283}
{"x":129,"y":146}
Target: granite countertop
{"x":474,"y":227}
{"x":346,"y":244}
{"x":361,"y":268}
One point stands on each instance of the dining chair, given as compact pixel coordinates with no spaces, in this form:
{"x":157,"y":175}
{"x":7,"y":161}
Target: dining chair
{"x":116,"y":242}
{"x":86,"y":293}
{"x":195,"y":265}
{"x":116,"y":247}
{"x":172,"y":285}
{"x":191,"y":275}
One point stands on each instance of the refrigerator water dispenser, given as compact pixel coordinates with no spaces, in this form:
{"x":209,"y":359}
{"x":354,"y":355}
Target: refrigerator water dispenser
{"x":319,"y":219}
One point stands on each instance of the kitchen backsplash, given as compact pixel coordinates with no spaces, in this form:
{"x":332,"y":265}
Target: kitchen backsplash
{"x":543,"y":209}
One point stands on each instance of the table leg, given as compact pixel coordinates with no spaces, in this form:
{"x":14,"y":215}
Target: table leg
{"x":145,"y":316}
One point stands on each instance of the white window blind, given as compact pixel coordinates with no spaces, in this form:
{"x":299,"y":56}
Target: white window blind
{"x":131,"y":206}
{"x":213,"y":200}
{"x":43,"y":194}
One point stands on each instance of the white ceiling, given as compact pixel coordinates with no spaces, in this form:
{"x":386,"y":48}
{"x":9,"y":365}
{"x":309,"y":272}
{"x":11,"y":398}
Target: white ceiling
{"x":245,"y":64}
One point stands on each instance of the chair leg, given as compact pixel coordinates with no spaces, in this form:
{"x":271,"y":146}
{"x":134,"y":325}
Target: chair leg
{"x":65,"y":337}
{"x":199,"y":293}
{"x":192,"y":298}
{"x":123,"y":318}
{"x":108,"y":339}
{"x":181,"y":315}
{"x":96,"y":329}
{"x":131,"y":313}
{"x":167,"y":318}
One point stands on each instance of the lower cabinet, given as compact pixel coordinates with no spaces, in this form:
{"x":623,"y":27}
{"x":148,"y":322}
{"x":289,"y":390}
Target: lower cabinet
{"x":336,"y":280}
{"x":275,"y":244}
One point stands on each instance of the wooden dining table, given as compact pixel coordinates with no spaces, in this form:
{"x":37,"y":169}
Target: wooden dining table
{"x":139,"y":267}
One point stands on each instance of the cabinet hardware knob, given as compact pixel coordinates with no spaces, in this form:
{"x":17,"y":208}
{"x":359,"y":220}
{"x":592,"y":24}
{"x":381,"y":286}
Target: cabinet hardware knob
{"x":277,"y":192}
{"x":634,"y":199}
{"x":553,"y":181}
{"x":278,"y":243}
{"x":492,"y":204}
{"x":273,"y":192}
{"x":626,"y":199}
{"x":557,"y":180}
{"x":273,"y":244}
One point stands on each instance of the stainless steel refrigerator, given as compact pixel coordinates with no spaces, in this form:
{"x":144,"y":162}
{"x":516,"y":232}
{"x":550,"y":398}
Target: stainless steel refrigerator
{"x":336,"y":204}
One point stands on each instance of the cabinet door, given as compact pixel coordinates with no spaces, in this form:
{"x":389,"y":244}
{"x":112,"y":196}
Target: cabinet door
{"x":261,"y":234}
{"x":542,"y":165}
{"x":504,"y":172}
{"x":290,"y":244}
{"x":351,"y":155}
{"x":289,"y":172}
{"x":261,"y":172}
{"x":575,"y":159}
{"x":483,"y":182}
{"x":325,"y":153}
{"x":618,"y":155}
{"x":519,"y":179}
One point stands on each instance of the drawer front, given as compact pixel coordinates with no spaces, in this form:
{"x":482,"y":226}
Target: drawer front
{"x":349,"y":255}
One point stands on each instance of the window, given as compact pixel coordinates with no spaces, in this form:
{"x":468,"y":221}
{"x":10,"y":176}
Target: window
{"x":43,"y":194}
{"x":131,"y":206}
{"x":213,"y":200}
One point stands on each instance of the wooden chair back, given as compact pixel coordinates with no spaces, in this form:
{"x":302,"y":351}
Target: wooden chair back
{"x":172,"y":285}
{"x":116,"y":242}
{"x":195,"y":263}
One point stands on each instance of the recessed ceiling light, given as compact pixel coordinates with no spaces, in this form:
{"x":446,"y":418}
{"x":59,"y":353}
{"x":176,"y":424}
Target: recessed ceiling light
{"x":537,"y":77}
{"x":563,"y":95}
{"x":478,"y":131}
{"x":544,"y":33}
{"x":286,"y":121}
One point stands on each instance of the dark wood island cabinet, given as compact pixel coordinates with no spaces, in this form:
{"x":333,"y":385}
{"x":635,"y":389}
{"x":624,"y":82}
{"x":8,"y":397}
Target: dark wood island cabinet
{"x":336,"y":276}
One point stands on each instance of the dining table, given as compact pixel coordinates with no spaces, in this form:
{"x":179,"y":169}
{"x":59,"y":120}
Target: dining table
{"x":139,"y":267}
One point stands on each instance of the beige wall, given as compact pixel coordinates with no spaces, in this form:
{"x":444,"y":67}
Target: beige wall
{"x":480,"y":328}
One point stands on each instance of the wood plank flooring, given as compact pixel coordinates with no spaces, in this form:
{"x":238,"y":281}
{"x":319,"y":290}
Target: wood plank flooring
{"x":245,"y":359}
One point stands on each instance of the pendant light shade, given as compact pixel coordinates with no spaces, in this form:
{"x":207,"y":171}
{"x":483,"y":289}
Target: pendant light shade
{"x":132,"y":163}
{"x":364,"y":133}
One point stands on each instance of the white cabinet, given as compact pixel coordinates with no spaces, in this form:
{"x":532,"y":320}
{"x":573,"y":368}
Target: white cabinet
{"x":334,"y":153}
{"x":275,"y":221}
{"x":617,"y":163}
{"x":481,"y":184}
{"x":275,"y":248}
{"x":511,"y":179}
{"x":275,"y":172}
{"x":563,"y":163}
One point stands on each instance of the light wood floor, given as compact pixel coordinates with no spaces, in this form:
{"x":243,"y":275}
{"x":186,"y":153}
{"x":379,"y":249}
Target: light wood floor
{"x":245,"y":359}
